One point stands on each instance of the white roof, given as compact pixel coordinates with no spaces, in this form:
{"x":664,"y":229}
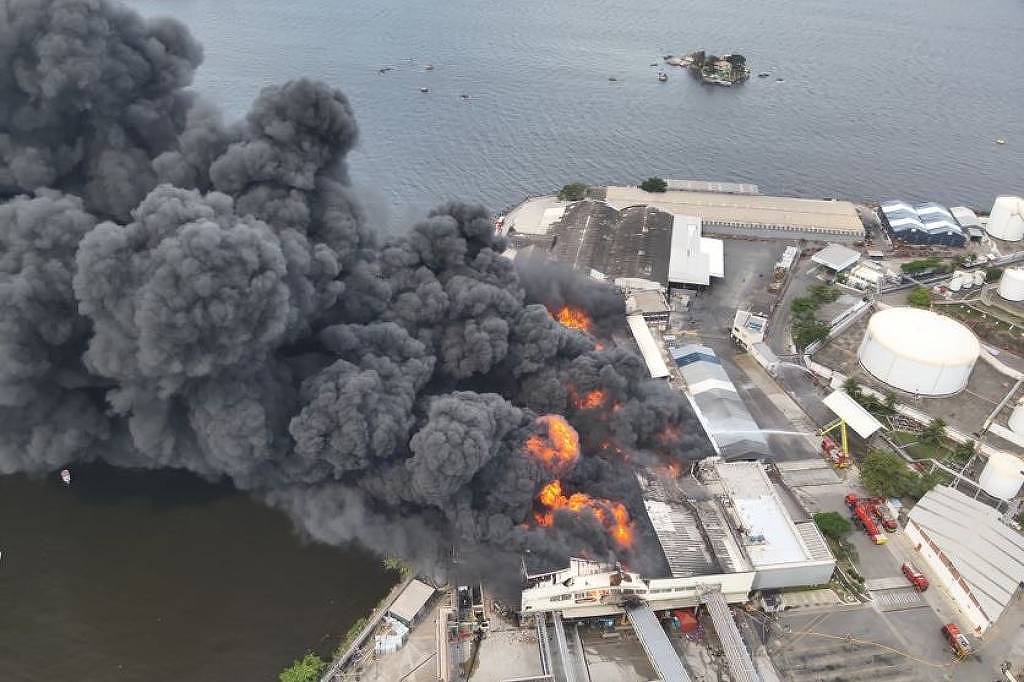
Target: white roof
{"x":851,"y":412}
{"x":763,"y":515}
{"x":412,"y":600}
{"x":687,"y":261}
{"x":924,"y":336}
{"x":988,"y":554}
{"x":836,"y":257}
{"x":648,"y":346}
{"x":715,"y":250}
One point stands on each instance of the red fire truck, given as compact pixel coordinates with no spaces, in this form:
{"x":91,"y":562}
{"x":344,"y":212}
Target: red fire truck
{"x":862,"y":517}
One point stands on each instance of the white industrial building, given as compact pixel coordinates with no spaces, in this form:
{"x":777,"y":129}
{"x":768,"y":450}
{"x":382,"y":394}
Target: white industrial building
{"x":649,"y":350}
{"x":1011,"y":284}
{"x":693,"y":258}
{"x":1006,"y":221}
{"x":977,"y":558}
{"x":919,"y":351}
{"x":730,"y":533}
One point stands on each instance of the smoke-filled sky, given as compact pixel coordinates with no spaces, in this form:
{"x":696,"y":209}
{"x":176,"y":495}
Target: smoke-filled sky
{"x":181,"y":291}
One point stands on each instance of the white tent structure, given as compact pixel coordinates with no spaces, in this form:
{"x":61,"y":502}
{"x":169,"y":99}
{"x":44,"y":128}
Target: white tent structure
{"x":648,"y":346}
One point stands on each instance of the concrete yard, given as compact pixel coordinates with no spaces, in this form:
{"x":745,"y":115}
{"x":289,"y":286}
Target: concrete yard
{"x":614,"y":659}
{"x":507,"y":653}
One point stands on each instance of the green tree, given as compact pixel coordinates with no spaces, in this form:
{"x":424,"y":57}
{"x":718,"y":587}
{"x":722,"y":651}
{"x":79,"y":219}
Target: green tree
{"x":890,"y":401}
{"x":887,"y":475}
{"x":925,"y":482}
{"x":574,"y":191}
{"x":806,"y":332}
{"x":934,"y":432}
{"x":833,"y":525}
{"x":654,"y":185}
{"x":803,"y":306}
{"x":919,"y":297}
{"x":307,"y":669}
{"x":824,"y":293}
{"x":993,"y":273}
{"x":964,"y":451}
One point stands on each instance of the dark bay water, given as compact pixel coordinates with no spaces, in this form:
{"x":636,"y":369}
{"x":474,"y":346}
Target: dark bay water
{"x":160,"y":577}
{"x":880,"y":98}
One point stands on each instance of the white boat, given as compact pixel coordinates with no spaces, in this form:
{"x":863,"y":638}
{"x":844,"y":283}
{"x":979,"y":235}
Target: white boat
{"x":65,"y":476}
{"x":662,"y":76}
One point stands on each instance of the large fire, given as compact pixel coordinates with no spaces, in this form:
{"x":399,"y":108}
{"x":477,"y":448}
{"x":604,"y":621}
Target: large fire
{"x":558,"y":447}
{"x":612,"y":515}
{"x":574,"y":318}
{"x":589,"y":400}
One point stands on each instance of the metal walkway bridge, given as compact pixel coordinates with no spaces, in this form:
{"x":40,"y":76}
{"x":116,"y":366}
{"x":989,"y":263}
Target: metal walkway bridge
{"x":741,"y":667}
{"x":662,"y":654}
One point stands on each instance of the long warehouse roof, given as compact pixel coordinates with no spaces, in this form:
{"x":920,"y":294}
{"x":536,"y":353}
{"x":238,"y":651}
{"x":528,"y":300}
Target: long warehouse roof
{"x":754,"y":210}
{"x":988,"y":554}
{"x":648,"y":346}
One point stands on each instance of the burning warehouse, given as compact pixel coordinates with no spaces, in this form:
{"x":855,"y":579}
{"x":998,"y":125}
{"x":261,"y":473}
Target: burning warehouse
{"x":730,"y":532}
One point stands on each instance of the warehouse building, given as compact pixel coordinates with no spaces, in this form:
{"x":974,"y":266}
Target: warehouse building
{"x":751,"y":215}
{"x":978,"y":559}
{"x":694,"y":259}
{"x":720,"y":409}
{"x":927,"y":223}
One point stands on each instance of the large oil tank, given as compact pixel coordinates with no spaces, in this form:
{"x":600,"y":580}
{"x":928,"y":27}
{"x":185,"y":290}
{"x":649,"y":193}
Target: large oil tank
{"x":1007,"y":219}
{"x":955,"y":284}
{"x":1011,"y":284}
{"x":1002,"y":476}
{"x":919,"y":351}
{"x":1017,"y":419}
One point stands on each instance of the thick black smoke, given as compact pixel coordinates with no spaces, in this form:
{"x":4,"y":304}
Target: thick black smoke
{"x":180,"y":292}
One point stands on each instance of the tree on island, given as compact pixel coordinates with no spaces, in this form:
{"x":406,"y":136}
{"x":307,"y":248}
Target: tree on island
{"x":574,"y":191}
{"x":654,"y":185}
{"x":308,"y":669}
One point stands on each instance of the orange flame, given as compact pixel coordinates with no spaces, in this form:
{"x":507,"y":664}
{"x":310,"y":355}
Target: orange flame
{"x":612,"y":515}
{"x":671,"y":434}
{"x":589,"y":400}
{"x":574,"y":318}
{"x":559,"y":447}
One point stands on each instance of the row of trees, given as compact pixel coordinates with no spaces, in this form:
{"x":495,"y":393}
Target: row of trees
{"x":887,"y":475}
{"x":577,"y":191}
{"x":806,"y":328}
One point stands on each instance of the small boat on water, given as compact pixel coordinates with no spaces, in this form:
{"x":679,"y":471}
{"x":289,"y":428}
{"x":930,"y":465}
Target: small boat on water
{"x":424,"y":89}
{"x":428,"y":67}
{"x":662,"y":76}
{"x":1000,"y":140}
{"x":763,"y":74}
{"x":65,"y":476}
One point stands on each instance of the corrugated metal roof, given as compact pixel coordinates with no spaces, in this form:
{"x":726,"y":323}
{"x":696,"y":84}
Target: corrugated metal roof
{"x":988,"y":554}
{"x":648,"y":346}
{"x":415,"y":595}
{"x":836,"y":257}
{"x":817,"y":548}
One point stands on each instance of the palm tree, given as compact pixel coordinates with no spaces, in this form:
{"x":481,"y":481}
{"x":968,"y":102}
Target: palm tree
{"x":933,"y":432}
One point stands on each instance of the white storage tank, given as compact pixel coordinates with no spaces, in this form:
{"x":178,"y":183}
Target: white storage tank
{"x":955,"y":284}
{"x":919,"y":351}
{"x":1007,"y":219}
{"x":1011,"y":284}
{"x":1017,"y":419}
{"x":1002,"y":476}
{"x":979,"y":277}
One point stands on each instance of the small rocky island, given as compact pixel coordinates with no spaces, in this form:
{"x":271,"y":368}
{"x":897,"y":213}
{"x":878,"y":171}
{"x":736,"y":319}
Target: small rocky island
{"x":725,"y":70}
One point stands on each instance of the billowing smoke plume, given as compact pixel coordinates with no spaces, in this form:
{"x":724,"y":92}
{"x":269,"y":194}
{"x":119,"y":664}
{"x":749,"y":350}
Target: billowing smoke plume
{"x":180,"y":292}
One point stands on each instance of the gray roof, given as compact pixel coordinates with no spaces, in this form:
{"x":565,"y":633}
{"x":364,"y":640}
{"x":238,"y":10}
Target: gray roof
{"x":699,"y":371}
{"x":836,"y":257}
{"x":411,"y":601}
{"x":988,"y":554}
